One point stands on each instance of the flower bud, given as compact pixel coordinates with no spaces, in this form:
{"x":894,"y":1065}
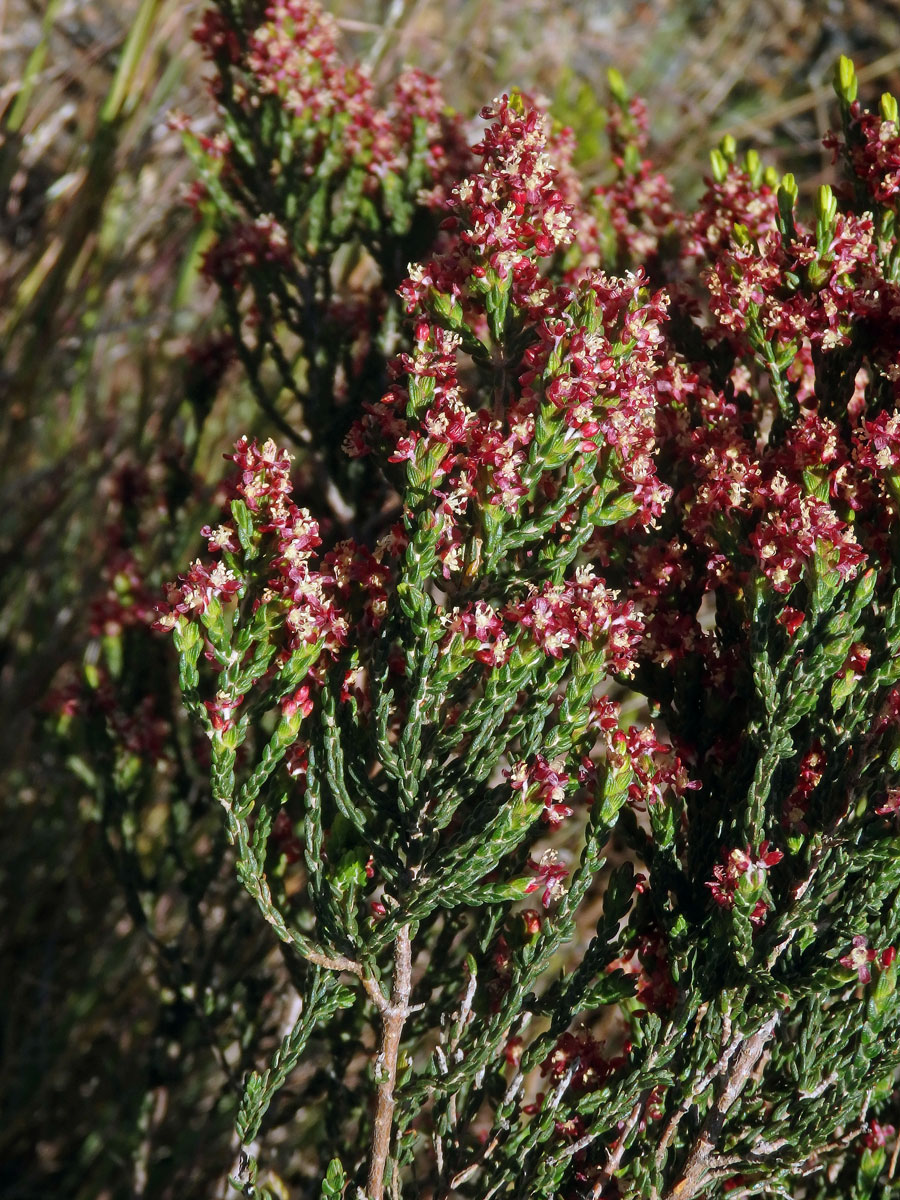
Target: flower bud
{"x":617,"y":86}
{"x":845,"y":80}
{"x":719,"y":165}
{"x":826,"y":205}
{"x":888,"y":106}
{"x":728,"y":147}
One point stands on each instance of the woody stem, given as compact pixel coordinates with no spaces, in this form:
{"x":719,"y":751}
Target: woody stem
{"x":393,"y":1018}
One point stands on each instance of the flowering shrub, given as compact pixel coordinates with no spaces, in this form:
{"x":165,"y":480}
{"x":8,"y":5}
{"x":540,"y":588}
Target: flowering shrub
{"x":553,"y":451}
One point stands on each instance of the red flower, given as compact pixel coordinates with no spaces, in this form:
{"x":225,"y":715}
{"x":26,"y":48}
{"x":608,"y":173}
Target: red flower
{"x":791,"y":619}
{"x":859,"y":957}
{"x":749,"y":868}
{"x":546,"y":781}
{"x":550,"y":873}
{"x":878,"y":1135}
{"x":221,"y":711}
{"x":298,"y":701}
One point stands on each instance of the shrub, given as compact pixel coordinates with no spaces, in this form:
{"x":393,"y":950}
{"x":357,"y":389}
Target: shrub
{"x":550,"y":705}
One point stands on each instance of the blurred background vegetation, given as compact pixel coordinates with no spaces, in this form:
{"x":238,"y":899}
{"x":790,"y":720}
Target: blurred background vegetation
{"x":125,"y":1027}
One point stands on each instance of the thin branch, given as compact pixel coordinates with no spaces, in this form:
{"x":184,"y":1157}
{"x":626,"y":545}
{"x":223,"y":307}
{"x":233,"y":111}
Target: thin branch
{"x":695,"y":1093}
{"x":393,"y":1018}
{"x":700,"y":1159}
{"x":892,"y":1168}
{"x":616,"y":1151}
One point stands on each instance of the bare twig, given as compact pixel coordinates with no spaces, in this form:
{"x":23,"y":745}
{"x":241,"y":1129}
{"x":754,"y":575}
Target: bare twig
{"x":396,"y":19}
{"x":700,"y":1159}
{"x":393,"y":1018}
{"x":699,"y":1088}
{"x":892,"y":1168}
{"x":617,"y":1150}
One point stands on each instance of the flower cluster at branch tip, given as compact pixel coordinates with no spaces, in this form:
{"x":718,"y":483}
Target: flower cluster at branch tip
{"x":582,"y":1056}
{"x":878,"y":443}
{"x":546,"y":781}
{"x":638,"y":204}
{"x":647,"y":959}
{"x":744,"y":870}
{"x":288,"y":71}
{"x":797,"y":803}
{"x":890,"y":805}
{"x":873,"y":149}
{"x":582,"y":386}
{"x":313,"y":604}
{"x":558,"y":617}
{"x":657,"y":769}
{"x":788,"y":539}
{"x":549,"y":872}
{"x":860,"y":958}
{"x":877,"y":1135}
{"x":751,"y":288}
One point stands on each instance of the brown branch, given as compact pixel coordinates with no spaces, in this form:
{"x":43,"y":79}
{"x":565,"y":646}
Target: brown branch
{"x":393,"y":1018}
{"x":695,"y":1093}
{"x":700,"y":1160}
{"x":614,"y":1159}
{"x":340,"y":963}
{"x":892,"y":1168}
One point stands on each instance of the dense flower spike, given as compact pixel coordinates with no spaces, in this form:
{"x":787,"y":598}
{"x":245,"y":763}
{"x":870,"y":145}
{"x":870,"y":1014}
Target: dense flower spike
{"x":347,"y":173}
{"x":873,"y":149}
{"x":579,"y":398}
{"x":547,"y":780}
{"x":637,"y":205}
{"x":560,"y":617}
{"x":789,"y":539}
{"x":304,"y":601}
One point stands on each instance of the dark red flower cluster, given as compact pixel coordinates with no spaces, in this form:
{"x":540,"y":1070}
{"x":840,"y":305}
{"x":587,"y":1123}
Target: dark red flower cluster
{"x":859,"y":958}
{"x":658,"y":771}
{"x":878,"y":443}
{"x":812,"y":767}
{"x":789,"y":537}
{"x":637,"y":205}
{"x":745,"y":869}
{"x":546,"y":781}
{"x":549,"y":872}
{"x":873,"y":150}
{"x":581,"y":390}
{"x":125,"y":599}
{"x":648,"y":960}
{"x":249,"y":245}
{"x":878,"y":1135}
{"x":732,"y":198}
{"x":293,"y":55}
{"x":561,"y":617}
{"x":754,"y":286}
{"x":307,"y":600}
{"x":585,"y":1058}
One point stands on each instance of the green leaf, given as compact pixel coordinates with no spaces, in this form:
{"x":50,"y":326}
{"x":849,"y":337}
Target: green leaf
{"x":334,"y":1182}
{"x":245,"y":530}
